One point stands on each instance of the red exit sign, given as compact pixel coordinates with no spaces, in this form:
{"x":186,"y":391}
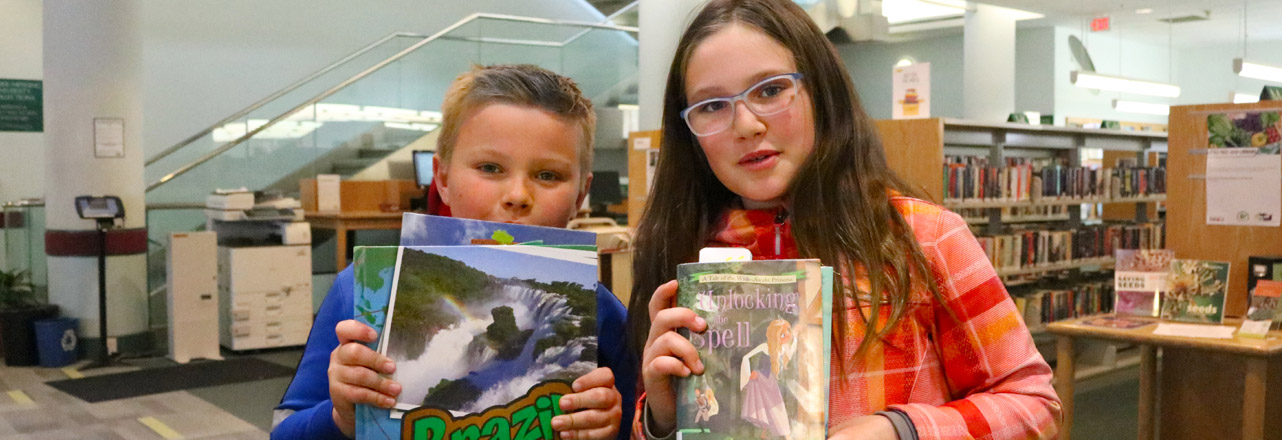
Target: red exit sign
{"x":1099,"y":24}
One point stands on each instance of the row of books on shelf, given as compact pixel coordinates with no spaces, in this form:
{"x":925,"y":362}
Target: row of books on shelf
{"x":1044,"y":306}
{"x":972,"y":178}
{"x":1031,"y":249}
{"x":1014,"y":214}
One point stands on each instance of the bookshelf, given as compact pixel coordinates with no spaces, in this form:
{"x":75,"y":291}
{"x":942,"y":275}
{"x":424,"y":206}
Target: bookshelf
{"x":918,"y":150}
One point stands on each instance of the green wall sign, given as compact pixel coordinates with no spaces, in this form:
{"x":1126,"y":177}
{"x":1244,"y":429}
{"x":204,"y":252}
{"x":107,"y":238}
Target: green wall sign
{"x":21,"y":105}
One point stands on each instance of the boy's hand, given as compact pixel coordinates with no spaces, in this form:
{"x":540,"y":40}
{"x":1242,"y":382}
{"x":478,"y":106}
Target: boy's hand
{"x":354,"y":375}
{"x":593,"y":411}
{"x":668,"y":354}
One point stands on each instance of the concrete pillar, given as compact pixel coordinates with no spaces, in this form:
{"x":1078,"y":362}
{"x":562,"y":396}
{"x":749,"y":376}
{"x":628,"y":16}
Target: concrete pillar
{"x":989,"y":68}
{"x":661,"y":23}
{"x":93,"y":69}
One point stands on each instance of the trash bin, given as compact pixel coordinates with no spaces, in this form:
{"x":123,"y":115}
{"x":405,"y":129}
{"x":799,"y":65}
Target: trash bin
{"x":56,"y":341}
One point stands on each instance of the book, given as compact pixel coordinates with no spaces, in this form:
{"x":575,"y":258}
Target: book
{"x":1139,"y":278}
{"x":1263,"y":268}
{"x":431,"y":230}
{"x":486,"y":337}
{"x":765,"y":353}
{"x":1197,"y":291}
{"x":1117,"y":322}
{"x":1263,"y":310}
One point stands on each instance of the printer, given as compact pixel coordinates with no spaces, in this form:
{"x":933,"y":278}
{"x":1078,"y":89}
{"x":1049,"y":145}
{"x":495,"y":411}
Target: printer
{"x":244,"y":217}
{"x":264,"y":269}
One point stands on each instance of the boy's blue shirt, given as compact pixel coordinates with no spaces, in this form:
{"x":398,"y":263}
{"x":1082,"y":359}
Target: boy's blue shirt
{"x":308,"y":393}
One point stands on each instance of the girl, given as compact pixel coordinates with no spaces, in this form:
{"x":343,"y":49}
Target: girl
{"x":765,"y":146}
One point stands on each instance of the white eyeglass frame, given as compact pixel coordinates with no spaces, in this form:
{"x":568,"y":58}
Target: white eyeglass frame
{"x":795,"y":77}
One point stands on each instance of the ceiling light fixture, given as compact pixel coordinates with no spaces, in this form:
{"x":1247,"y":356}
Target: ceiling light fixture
{"x":1092,"y":80}
{"x":1244,"y":98}
{"x":1263,"y":72}
{"x":1141,"y":107}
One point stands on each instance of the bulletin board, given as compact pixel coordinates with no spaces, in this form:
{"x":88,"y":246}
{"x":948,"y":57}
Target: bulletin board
{"x":1187,"y":232}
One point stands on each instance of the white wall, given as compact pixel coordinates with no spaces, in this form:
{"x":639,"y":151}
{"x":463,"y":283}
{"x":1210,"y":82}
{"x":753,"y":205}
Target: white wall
{"x":1112,"y":56}
{"x":1211,"y":68}
{"x":21,"y":153}
{"x":1035,"y":70}
{"x":871,"y":63}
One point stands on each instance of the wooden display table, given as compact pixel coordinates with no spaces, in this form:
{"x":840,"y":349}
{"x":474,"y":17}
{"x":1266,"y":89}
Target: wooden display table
{"x":344,"y":222}
{"x":1195,"y":372}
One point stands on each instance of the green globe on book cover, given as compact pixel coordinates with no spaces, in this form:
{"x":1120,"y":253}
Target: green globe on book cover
{"x":765,"y":351}
{"x":1197,"y":291}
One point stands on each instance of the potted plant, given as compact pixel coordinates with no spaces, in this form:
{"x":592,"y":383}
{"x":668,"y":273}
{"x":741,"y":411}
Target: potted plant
{"x":19,"y":310}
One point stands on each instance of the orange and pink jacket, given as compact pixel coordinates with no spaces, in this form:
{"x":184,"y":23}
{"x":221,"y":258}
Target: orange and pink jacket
{"x":977,"y":376}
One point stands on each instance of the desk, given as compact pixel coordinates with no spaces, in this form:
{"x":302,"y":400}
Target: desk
{"x":1256,"y":354}
{"x":343,"y":222}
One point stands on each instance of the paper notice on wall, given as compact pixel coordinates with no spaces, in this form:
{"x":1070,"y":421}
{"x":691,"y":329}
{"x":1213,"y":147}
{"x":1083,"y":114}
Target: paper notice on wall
{"x":1243,"y":187}
{"x":108,"y":137}
{"x":651,"y":162}
{"x":911,"y":91}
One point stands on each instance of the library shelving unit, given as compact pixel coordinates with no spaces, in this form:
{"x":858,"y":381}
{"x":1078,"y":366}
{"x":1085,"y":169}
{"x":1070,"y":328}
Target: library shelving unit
{"x":917,"y":150}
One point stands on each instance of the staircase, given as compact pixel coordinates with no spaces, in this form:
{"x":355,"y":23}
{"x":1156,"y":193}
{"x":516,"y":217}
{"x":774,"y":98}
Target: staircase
{"x":352,"y":116}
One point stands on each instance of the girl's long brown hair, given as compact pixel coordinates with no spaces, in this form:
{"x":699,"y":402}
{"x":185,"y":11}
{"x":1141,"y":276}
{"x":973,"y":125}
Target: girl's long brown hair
{"x":839,"y":201}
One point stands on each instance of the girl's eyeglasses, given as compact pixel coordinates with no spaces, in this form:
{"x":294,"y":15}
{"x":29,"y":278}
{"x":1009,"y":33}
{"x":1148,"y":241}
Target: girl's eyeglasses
{"x":770,"y":96}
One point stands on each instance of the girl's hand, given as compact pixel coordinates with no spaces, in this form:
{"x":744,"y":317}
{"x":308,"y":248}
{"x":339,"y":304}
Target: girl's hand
{"x":354,"y":375}
{"x":668,"y":354}
{"x":599,"y":408}
{"x":870,"y":427}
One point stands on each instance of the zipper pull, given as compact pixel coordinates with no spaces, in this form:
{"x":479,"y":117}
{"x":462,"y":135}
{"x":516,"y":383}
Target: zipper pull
{"x":779,"y":219}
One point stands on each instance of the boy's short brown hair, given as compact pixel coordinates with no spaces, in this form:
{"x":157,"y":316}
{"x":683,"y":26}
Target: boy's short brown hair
{"x":519,"y":84}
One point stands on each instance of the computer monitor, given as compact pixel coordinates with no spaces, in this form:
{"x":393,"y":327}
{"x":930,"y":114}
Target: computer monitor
{"x":423,"y":168}
{"x":605,"y":190}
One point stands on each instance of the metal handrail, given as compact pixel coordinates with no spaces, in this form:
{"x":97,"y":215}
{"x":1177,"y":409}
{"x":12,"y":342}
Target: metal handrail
{"x":279,"y":93}
{"x":251,"y":133}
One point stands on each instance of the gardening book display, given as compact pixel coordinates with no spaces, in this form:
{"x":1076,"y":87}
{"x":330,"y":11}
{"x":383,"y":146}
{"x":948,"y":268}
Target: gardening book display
{"x":1197,"y":291}
{"x":1140,"y":278}
{"x":765,"y":352}
{"x":1264,"y":269}
{"x":487,"y":334}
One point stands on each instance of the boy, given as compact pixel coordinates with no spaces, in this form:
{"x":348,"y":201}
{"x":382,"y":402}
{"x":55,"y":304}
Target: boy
{"x":515,"y":146}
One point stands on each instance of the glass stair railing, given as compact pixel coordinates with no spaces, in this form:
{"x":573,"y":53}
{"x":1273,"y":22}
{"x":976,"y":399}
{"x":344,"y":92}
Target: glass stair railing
{"x":371,"y":103}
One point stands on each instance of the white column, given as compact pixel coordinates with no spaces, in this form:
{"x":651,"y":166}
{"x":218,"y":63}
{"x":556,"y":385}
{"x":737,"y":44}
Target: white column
{"x":989,"y":67}
{"x":661,"y":23}
{"x":93,"y":69}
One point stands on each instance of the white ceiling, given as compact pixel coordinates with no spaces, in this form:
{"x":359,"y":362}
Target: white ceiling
{"x":1224,"y":26}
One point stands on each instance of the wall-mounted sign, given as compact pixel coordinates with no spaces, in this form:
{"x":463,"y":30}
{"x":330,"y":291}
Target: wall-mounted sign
{"x":911,"y":88}
{"x":1099,"y":24}
{"x":21,"y":105}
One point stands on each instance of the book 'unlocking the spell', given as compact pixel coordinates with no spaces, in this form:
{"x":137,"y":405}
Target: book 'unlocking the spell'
{"x":765,"y":351}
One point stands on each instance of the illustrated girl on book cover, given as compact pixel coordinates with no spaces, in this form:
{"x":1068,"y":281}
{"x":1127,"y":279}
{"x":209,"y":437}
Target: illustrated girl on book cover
{"x":763,"y":403}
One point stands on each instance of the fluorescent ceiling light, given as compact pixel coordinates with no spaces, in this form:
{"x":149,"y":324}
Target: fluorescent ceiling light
{"x":903,"y":11}
{"x":1144,"y":11}
{"x":1092,"y":80}
{"x":1245,"y":98}
{"x":1257,"y":71}
{"x":1141,"y":107}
